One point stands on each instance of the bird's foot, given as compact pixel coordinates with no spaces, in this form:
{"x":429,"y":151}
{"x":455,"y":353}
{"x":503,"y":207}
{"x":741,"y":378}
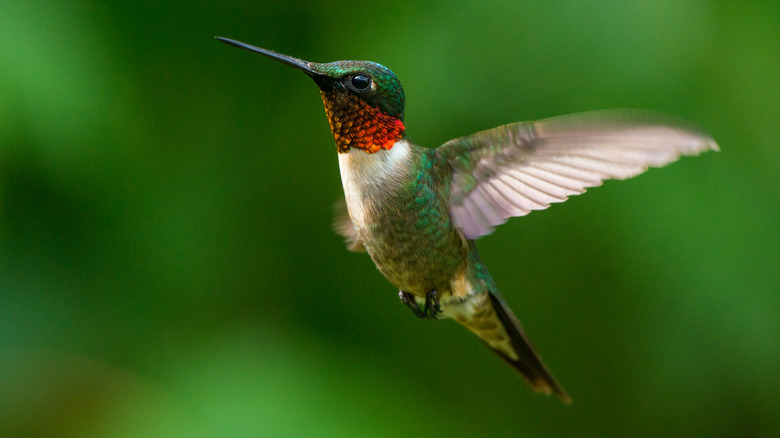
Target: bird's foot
{"x":432,"y":304}
{"x":410,"y":302}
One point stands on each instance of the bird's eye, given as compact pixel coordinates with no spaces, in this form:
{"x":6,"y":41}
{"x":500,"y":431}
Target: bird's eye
{"x":360,"y":82}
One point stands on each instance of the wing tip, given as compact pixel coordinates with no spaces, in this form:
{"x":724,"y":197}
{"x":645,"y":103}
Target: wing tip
{"x":699,"y":144}
{"x":710,"y":145}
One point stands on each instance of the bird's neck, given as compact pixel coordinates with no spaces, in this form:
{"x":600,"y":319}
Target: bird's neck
{"x":372,"y":180}
{"x":358,"y":125}
{"x":364,"y":168}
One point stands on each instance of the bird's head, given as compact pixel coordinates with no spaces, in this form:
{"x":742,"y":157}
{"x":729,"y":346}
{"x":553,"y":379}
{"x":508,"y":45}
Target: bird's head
{"x":364,"y":100}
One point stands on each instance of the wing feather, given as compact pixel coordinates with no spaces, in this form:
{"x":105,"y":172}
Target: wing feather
{"x":515,"y":205}
{"x":514,"y":169}
{"x":519,"y":193}
{"x":503,"y":204}
{"x":547,"y":193}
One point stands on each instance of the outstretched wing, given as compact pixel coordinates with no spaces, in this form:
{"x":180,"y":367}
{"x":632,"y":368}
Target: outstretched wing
{"x":516,"y":168}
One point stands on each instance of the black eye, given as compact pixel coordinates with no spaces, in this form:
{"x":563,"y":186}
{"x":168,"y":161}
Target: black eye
{"x":360,"y":82}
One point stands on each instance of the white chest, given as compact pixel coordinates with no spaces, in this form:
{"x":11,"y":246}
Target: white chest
{"x":369,"y":178}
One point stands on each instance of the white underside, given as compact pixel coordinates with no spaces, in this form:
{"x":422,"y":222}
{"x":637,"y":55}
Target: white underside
{"x":366,"y":176}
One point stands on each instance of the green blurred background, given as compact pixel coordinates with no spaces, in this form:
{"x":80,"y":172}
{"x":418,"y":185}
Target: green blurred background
{"x":167,"y":266}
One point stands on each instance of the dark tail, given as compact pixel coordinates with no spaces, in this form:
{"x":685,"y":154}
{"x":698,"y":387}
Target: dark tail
{"x":528,"y":362}
{"x":499,"y":329}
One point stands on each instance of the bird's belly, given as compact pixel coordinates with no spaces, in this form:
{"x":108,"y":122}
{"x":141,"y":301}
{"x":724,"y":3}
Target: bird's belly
{"x":412,"y":242}
{"x":415,"y":264}
{"x":401,"y":218}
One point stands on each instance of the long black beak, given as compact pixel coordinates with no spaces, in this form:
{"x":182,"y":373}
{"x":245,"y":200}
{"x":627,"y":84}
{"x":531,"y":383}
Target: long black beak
{"x":305,"y":66}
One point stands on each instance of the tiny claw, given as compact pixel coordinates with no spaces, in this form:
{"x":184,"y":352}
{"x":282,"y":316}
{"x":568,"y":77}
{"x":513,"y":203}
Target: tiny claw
{"x":410,"y":302}
{"x":432,"y":304}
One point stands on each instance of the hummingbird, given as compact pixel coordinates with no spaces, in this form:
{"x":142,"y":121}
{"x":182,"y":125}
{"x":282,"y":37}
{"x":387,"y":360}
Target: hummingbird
{"x":418,"y":211}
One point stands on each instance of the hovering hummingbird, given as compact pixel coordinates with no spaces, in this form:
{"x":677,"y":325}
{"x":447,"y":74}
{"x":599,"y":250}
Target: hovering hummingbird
{"x":417,"y":211}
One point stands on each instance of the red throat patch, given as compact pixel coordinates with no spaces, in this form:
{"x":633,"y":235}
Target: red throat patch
{"x":356,"y":124}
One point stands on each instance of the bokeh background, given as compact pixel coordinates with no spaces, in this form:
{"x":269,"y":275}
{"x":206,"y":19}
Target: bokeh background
{"x":167,"y":266}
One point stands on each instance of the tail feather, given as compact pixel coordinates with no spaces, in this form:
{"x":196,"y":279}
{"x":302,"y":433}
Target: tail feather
{"x":528,"y":361}
{"x":500,"y":330}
